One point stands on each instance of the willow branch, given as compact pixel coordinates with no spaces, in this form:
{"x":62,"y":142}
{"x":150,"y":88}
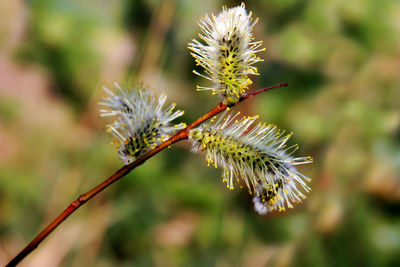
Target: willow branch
{"x":82,"y":199}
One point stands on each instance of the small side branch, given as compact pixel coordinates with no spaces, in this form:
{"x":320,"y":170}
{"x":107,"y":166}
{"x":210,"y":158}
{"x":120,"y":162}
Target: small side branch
{"x":181,"y":135}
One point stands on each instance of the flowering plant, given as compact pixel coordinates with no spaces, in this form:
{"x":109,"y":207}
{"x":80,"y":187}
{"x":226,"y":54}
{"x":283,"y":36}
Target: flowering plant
{"x":250,"y":153}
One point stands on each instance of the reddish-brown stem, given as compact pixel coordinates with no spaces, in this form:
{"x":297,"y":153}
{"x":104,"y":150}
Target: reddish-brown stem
{"x":183,"y":134}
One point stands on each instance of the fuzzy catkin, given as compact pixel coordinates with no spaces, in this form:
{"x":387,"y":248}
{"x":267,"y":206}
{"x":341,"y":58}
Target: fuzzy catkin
{"x":228,"y":52}
{"x":140,"y":121}
{"x":257,"y":155}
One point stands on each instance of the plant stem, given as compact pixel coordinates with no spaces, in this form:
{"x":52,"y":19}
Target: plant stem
{"x":82,"y":199}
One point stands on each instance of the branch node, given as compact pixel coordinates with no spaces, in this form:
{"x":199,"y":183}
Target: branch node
{"x":82,"y":199}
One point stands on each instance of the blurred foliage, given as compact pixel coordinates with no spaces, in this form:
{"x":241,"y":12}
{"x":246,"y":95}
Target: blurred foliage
{"x":342,"y":59}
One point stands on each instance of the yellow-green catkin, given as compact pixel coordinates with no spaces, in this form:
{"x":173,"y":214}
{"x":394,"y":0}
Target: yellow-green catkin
{"x":228,"y":52}
{"x":140,"y":121}
{"x":257,"y":155}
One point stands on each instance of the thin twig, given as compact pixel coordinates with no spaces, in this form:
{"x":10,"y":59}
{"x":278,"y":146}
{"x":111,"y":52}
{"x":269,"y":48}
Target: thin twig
{"x":82,"y":199}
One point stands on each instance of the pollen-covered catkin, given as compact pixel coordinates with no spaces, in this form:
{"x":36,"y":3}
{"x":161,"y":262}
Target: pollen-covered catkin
{"x":140,"y":122}
{"x":256,"y":154}
{"x":228,"y":52}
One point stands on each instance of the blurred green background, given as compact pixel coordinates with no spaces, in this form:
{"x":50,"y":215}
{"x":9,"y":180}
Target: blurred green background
{"x":342,"y":59}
